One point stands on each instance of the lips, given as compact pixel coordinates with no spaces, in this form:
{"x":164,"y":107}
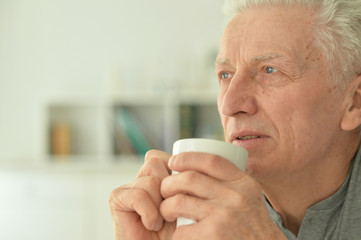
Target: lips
{"x":247,"y":137}
{"x":249,"y":140}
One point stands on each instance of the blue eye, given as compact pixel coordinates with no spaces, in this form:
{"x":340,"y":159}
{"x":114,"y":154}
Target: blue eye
{"x":226,"y":75}
{"x":271,"y":70}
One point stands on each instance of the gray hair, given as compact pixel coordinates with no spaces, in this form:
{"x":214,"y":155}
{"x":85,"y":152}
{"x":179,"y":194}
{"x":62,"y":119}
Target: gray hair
{"x":337,"y":31}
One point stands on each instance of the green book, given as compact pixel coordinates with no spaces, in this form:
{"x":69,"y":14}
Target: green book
{"x":187,"y":121}
{"x":136,"y":137}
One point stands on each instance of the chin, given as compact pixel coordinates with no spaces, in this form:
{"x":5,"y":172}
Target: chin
{"x":260,"y":170}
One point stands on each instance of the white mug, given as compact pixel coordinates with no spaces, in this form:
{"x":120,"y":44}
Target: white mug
{"x":236,"y":154}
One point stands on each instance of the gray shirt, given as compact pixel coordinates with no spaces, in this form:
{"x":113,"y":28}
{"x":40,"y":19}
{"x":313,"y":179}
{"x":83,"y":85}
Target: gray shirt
{"x":337,"y":217}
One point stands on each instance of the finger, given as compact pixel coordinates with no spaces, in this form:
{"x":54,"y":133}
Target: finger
{"x":151,"y":185}
{"x":182,"y":205}
{"x":230,"y":224}
{"x":191,"y":183}
{"x":233,"y":194}
{"x":164,"y":156}
{"x":156,"y":164}
{"x":209,"y":164}
{"x":210,"y":226}
{"x":204,"y":230}
{"x":136,"y":200}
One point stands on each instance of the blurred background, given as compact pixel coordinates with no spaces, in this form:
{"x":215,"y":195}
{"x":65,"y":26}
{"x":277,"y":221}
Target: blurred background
{"x":86,"y":88}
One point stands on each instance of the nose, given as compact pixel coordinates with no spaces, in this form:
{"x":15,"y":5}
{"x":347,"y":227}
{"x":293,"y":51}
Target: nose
{"x":238,"y":97}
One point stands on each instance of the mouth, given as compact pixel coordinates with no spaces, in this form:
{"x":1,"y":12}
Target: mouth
{"x":247,"y":137}
{"x":249,"y":140}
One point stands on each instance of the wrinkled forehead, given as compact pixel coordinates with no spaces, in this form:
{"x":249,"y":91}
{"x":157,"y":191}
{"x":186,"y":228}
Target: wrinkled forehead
{"x":234,"y":28}
{"x":260,"y":33}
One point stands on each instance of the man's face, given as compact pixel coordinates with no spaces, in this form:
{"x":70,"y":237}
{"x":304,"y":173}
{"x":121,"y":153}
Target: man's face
{"x":276,"y":98}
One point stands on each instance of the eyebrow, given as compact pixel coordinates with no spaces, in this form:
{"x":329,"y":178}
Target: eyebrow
{"x":265,"y":57}
{"x":223,"y":61}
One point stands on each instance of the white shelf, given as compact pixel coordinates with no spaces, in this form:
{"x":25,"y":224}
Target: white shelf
{"x":92,"y":118}
{"x":128,"y":165}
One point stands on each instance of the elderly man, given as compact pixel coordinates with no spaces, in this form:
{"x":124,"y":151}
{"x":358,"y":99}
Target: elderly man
{"x":290,"y":93}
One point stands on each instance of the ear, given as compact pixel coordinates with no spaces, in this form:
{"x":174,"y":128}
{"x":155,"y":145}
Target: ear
{"x":352,"y":116}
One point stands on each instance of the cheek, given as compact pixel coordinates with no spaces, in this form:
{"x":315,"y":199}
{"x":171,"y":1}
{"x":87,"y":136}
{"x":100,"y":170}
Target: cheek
{"x":293,"y":116}
{"x":222,"y":117}
{"x":305,"y":120}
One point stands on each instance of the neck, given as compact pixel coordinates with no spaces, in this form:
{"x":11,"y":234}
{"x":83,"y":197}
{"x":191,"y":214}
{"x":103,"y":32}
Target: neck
{"x":292,"y":197}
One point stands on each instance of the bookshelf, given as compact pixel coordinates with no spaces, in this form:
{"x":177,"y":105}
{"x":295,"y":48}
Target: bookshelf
{"x":109,"y":130}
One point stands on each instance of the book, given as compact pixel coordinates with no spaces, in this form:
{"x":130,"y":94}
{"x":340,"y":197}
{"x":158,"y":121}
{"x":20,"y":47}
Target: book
{"x":122,"y":144}
{"x":131,"y":131}
{"x":60,"y":139}
{"x":188,"y":120}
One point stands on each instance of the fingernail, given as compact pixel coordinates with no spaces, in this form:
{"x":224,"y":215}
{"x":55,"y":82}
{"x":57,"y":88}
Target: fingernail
{"x":170,"y":162}
{"x":158,"y":226}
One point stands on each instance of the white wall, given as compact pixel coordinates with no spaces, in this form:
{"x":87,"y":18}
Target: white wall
{"x":57,"y":205}
{"x":84,"y":47}
{"x":52,"y":47}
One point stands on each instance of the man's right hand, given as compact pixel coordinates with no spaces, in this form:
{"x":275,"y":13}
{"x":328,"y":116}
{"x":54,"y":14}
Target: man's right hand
{"x":135,"y":206}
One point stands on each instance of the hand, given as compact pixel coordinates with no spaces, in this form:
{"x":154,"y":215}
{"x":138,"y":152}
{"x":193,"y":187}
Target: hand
{"x":225,"y":202}
{"x":135,"y":206}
